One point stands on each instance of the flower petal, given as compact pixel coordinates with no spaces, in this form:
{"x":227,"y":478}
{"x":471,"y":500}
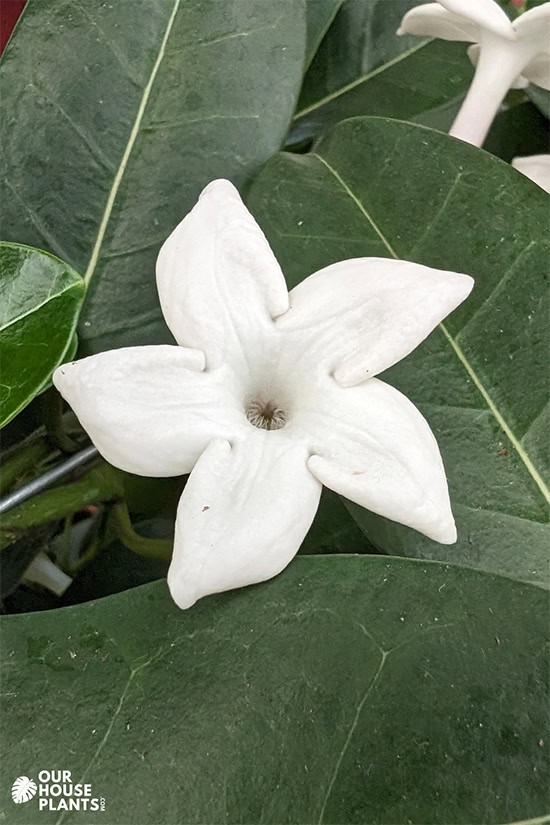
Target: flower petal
{"x":359,"y":317}
{"x":150,"y":410}
{"x":374,"y":447}
{"x":535,"y":24}
{"x":242,"y":516}
{"x":486,"y":14}
{"x":538,"y":71}
{"x":535,"y":167}
{"x":520,"y":81}
{"x":431,"y":20}
{"x":219,"y":283}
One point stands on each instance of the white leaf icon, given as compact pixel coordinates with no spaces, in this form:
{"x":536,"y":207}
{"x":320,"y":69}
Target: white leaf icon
{"x":23,"y":789}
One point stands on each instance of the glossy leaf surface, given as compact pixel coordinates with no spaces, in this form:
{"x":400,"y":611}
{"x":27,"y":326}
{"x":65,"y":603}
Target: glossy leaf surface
{"x":40,"y":298}
{"x":116,"y":115}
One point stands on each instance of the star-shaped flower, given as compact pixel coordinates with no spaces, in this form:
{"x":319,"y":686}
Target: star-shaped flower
{"x":506,"y":54}
{"x":268,"y":396}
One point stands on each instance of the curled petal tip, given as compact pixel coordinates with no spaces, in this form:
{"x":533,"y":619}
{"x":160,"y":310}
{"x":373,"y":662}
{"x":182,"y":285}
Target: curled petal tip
{"x":220,"y":186}
{"x":442,"y":527}
{"x":181,"y":594}
{"x":468,"y":284}
{"x":62,"y":376}
{"x":447,"y":533}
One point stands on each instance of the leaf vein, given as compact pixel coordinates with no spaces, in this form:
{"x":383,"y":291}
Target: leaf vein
{"x":358,"y":81}
{"x":495,"y":289}
{"x":351,"y":731}
{"x":128,"y":149}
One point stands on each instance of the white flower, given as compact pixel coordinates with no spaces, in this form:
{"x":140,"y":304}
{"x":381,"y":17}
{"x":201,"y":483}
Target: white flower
{"x":268,"y":396}
{"x":535,"y":167}
{"x":505,"y":53}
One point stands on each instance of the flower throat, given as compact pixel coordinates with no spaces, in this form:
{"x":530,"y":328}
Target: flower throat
{"x":266,"y":415}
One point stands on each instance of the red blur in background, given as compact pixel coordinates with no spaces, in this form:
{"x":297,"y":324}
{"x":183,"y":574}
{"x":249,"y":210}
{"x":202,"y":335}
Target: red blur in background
{"x":9,"y":12}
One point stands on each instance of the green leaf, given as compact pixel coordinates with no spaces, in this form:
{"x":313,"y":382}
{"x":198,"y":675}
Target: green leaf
{"x":362,"y":37}
{"x":40,"y":298}
{"x":384,"y":188}
{"x":136,"y":105}
{"x":334,"y":530}
{"x":427,"y":76}
{"x":347,"y":690}
{"x":319,"y":16}
{"x":364,"y":68}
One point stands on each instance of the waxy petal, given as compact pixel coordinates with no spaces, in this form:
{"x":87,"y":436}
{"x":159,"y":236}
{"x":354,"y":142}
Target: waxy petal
{"x":431,"y":20}
{"x":219,"y":283}
{"x":150,"y":410}
{"x":520,"y":82}
{"x":486,"y":14}
{"x":373,"y":446}
{"x":535,"y":24}
{"x":538,"y":71}
{"x":358,"y":317}
{"x":243,"y":515}
{"x":535,"y":167}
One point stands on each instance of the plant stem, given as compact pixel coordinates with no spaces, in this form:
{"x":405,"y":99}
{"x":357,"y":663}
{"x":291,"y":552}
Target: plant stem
{"x":53,"y":418}
{"x":123,"y":530}
{"x":25,"y":459}
{"x":101,"y":483}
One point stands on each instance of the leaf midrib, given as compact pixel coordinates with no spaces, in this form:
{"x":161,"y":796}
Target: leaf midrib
{"x":33,"y":309}
{"x":359,"y":80}
{"x":117,"y":180}
{"x":501,"y":421}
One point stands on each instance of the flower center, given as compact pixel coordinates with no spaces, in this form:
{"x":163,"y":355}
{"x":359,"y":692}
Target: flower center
{"x":266,"y":415}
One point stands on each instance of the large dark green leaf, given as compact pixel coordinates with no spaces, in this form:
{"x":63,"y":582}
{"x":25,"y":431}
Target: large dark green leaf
{"x":380,"y":187}
{"x":364,"y":68}
{"x":347,"y":690}
{"x":40,"y":298}
{"x":319,"y":16}
{"x":362,"y":37}
{"x":117,"y":114}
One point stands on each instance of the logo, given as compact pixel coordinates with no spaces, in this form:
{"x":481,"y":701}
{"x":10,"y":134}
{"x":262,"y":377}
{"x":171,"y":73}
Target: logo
{"x":23,"y":789}
{"x":56,"y":791}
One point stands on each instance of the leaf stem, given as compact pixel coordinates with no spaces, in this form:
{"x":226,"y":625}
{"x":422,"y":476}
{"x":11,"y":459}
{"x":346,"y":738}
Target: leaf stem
{"x":101,"y":483}
{"x":53,"y":419}
{"x":122,"y":527}
{"x":26,"y":458}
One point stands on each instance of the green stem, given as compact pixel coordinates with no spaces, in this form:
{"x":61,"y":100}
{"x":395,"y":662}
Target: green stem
{"x":53,"y":419}
{"x":121,"y":526}
{"x":25,"y":459}
{"x":99,"y":484}
{"x":91,"y":550}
